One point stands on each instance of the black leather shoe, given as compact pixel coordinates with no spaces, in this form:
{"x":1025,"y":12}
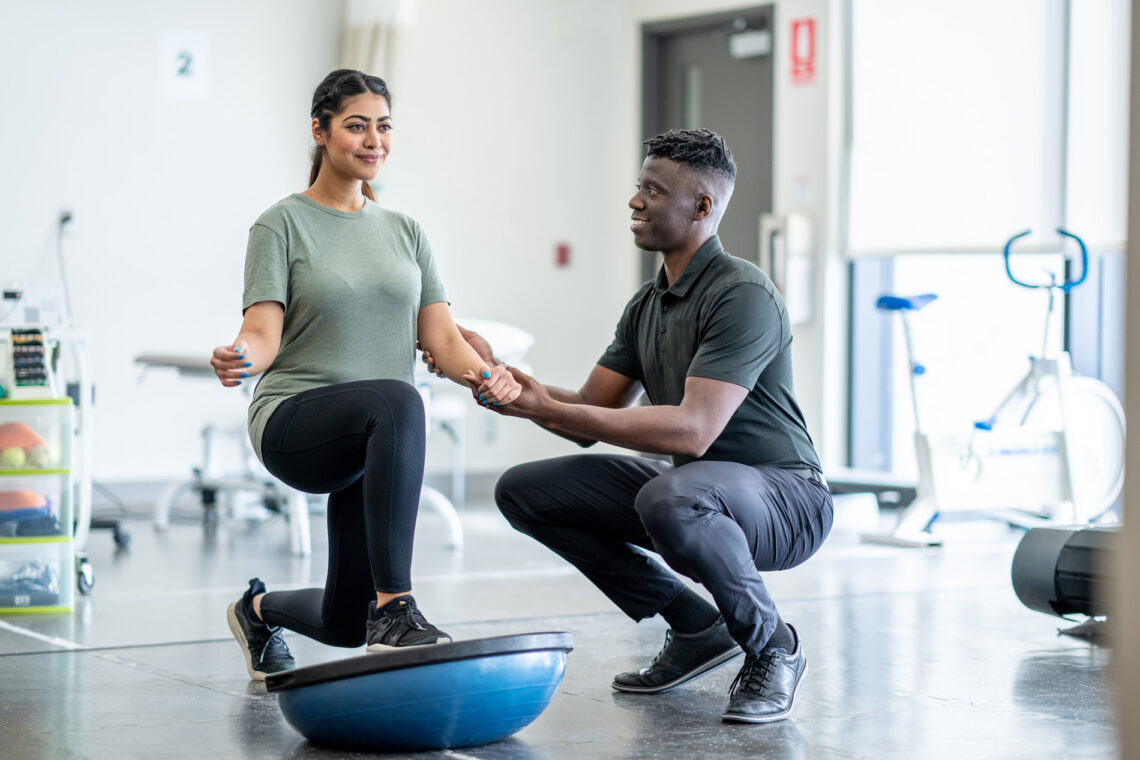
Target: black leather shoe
{"x":765,"y":689}
{"x":684,"y":657}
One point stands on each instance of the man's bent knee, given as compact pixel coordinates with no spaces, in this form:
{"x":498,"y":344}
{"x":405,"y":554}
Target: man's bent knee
{"x":664,"y":505}
{"x":512,"y":490}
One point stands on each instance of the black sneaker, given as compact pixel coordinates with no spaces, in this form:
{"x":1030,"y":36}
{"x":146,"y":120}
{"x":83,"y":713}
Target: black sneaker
{"x":765,"y":689}
{"x":264,"y":647}
{"x":684,"y":657}
{"x":399,"y":623}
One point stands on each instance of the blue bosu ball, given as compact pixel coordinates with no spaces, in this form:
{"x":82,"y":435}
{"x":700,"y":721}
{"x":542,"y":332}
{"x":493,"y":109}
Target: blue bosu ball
{"x":434,"y":697}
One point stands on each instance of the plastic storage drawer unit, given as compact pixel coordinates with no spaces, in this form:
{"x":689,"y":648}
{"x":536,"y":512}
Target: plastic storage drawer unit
{"x":33,"y":506}
{"x":35,"y":435}
{"x":36,"y":575}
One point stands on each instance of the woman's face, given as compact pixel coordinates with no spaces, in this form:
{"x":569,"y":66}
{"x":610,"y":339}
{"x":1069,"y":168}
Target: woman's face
{"x":358,"y":139}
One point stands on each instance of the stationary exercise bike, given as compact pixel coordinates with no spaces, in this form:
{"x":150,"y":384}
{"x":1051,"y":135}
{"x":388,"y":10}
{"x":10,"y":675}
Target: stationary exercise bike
{"x":1051,"y":453}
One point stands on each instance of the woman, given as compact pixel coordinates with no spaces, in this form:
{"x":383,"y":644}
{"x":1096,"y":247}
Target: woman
{"x":337,"y":292}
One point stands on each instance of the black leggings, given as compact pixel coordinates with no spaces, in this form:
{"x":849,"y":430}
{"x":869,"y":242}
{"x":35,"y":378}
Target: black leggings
{"x":363,"y":444}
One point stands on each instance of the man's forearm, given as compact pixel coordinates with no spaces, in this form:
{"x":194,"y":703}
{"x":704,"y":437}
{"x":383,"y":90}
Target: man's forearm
{"x":564,"y":396}
{"x":650,"y":429}
{"x":602,"y":411}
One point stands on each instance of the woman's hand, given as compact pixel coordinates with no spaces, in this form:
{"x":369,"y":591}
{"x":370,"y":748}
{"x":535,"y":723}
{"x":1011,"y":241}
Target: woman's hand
{"x":531,"y":400}
{"x":230,"y":364}
{"x":255,"y":346}
{"x":497,"y":387}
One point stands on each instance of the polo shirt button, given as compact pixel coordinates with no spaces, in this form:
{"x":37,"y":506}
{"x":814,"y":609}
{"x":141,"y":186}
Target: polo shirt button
{"x":662,"y":329}
{"x":665,"y":308}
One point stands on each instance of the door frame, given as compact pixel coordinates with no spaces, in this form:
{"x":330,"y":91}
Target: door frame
{"x":652,"y":37}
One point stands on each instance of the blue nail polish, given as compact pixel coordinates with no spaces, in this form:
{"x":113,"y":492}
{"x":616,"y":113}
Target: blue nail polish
{"x":244,"y":374}
{"x":238,"y":382}
{"x":486,"y":374}
{"x":248,"y":364}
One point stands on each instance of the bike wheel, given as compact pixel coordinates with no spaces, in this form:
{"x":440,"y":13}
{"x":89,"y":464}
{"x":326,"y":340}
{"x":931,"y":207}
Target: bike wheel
{"x":1094,"y":441}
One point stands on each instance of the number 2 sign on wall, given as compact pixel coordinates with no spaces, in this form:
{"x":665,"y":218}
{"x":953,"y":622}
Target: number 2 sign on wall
{"x":184,"y":65}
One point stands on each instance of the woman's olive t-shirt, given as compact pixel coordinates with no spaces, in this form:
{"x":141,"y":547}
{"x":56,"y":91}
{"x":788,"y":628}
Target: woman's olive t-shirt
{"x":352,"y":284}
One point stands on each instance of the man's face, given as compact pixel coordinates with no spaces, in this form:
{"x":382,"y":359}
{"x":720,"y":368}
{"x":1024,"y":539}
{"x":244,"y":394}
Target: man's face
{"x":664,"y":205}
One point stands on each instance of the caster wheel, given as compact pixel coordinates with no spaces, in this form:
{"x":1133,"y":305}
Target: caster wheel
{"x":122,"y":539}
{"x":85,"y":575}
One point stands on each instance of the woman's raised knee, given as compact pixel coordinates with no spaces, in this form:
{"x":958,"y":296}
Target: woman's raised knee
{"x":397,"y":401}
{"x":401,"y":394}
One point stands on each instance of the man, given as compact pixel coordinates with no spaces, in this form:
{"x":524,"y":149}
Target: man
{"x":709,"y":343}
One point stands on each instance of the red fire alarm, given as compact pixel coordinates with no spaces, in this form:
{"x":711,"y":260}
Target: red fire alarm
{"x":562,"y":255}
{"x":803,"y":51}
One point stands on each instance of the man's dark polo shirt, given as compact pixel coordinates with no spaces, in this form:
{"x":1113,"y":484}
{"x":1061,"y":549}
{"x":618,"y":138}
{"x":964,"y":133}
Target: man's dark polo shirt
{"x":722,"y":319}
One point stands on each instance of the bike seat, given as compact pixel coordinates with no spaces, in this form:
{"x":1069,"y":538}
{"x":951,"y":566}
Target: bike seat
{"x":902,"y":303}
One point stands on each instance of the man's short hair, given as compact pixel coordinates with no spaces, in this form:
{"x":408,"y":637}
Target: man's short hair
{"x":700,"y":149}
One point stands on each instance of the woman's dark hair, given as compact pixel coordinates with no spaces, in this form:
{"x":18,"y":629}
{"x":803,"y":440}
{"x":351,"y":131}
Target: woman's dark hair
{"x":699,"y":149}
{"x":328,"y":99}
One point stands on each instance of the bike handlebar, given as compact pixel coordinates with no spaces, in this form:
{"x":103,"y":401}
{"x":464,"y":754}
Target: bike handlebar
{"x":1068,"y":284}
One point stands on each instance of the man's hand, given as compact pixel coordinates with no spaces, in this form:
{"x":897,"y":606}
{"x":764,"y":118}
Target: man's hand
{"x":474,"y":339}
{"x":686,"y":429}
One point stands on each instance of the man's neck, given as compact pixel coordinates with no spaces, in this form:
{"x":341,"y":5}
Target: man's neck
{"x":677,"y":261}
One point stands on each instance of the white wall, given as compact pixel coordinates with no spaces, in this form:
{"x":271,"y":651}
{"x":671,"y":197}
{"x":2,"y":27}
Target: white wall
{"x":528,"y":115}
{"x":1125,"y":566}
{"x":518,"y":128}
{"x":808,"y":180}
{"x":514,"y":121}
{"x":162,"y":191}
{"x":516,"y":131}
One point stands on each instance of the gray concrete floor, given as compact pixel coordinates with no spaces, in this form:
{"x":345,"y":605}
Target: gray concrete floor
{"x":913,"y":654}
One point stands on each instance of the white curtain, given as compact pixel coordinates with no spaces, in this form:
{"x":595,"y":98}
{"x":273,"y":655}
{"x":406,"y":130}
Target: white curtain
{"x":957,"y":123}
{"x":372,"y":33}
{"x":970,"y":124}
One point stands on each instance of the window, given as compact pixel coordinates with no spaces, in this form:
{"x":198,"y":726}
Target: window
{"x":970,"y":123}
